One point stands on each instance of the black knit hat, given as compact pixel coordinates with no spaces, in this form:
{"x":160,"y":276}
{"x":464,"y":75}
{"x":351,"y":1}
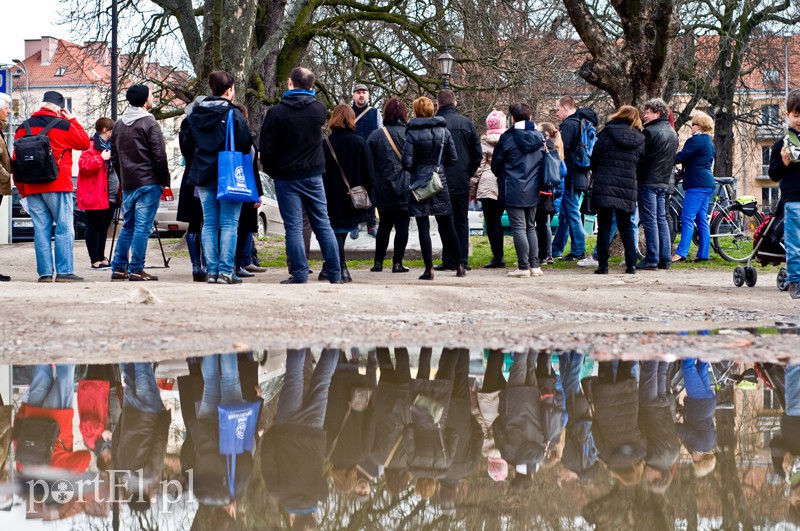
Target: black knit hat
{"x":137,"y":95}
{"x":56,"y":98}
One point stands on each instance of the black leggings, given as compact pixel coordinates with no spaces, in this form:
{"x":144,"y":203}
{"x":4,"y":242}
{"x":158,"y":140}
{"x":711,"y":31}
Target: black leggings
{"x":447,"y":233}
{"x":398,"y":219}
{"x":493,"y":214}
{"x":544,"y":234}
{"x":341,"y":237}
{"x":454,"y":366}
{"x":97,"y":223}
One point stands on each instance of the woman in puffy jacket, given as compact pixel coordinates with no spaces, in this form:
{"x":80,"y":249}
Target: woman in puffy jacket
{"x":483,"y":187}
{"x":615,"y":158}
{"x":426,"y":137}
{"x":98,"y":191}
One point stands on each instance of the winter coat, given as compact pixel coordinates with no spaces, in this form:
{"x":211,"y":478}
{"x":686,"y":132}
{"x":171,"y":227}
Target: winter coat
{"x":93,"y":180}
{"x":486,"y":410}
{"x":698,"y":432}
{"x":576,"y":180}
{"x":140,"y":442}
{"x":787,"y":441}
{"x":208,"y":125}
{"x":64,"y":456}
{"x":138,"y":151}
{"x":5,"y":164}
{"x":483,"y":185}
{"x":355,"y":159}
{"x":660,"y":145}
{"x":210,"y":468}
{"x":392,"y":414}
{"x":468,"y":147}
{"x":527,"y":425}
{"x":697,"y":157}
{"x":291,"y":137}
{"x":615,"y":162}
{"x":517,"y":161}
{"x":469,"y":436}
{"x":355,"y":430}
{"x":787,"y":176}
{"x":658,"y":427}
{"x":190,"y":210}
{"x":429,"y":447}
{"x":619,"y":440}
{"x":65,"y":136}
{"x":424,"y":137}
{"x":92,"y":410}
{"x":389,"y":179}
{"x":293,"y":465}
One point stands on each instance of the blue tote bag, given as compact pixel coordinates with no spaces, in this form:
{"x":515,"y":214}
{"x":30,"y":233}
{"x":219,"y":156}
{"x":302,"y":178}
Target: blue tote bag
{"x":237,"y":430}
{"x":236,"y":182}
{"x":551,"y":169}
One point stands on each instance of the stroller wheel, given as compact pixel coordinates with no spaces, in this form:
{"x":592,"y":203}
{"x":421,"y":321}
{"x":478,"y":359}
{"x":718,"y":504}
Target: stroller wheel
{"x":738,"y":276}
{"x":750,"y":276}
{"x":781,"y":280}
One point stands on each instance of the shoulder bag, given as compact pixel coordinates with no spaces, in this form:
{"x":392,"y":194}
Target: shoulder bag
{"x":551,"y":169}
{"x":391,"y":143}
{"x":587,"y":209}
{"x":432,"y":186}
{"x":236,"y":181}
{"x":359,"y":197}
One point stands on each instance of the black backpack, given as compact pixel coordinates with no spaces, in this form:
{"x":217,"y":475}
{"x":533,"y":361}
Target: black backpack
{"x":34,"y":162}
{"x":36,"y":438}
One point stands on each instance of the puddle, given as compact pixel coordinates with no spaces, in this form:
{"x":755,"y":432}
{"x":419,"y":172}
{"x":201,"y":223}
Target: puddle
{"x":404,"y":438}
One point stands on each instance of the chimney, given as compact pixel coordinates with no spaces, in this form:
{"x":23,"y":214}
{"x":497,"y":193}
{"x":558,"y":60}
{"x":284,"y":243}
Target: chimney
{"x":32,"y":47}
{"x":48,"y":47}
{"x":98,"y":50}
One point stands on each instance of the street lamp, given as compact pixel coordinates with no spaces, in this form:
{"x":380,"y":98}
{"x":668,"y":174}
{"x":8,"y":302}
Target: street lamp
{"x":446,"y":67}
{"x":20,"y":65}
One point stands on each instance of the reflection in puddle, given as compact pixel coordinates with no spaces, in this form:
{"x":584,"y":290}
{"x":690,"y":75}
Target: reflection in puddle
{"x":379,"y":438}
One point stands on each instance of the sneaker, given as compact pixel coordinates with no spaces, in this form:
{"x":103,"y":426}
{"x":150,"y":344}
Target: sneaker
{"x":255,"y":269}
{"x":225,"y":278}
{"x":292,"y":280}
{"x":354,"y":234}
{"x":588,"y":262}
{"x":119,"y":274}
{"x":101,"y":267}
{"x":141,"y":276}
{"x":45,"y":279}
{"x":212,"y":279}
{"x":520,"y":273}
{"x":68,"y":277}
{"x":794,"y":290}
{"x":644,"y":266}
{"x":537,"y":272}
{"x":572,"y":257}
{"x":373,"y":232}
{"x":243,"y":273}
{"x":549,"y":260}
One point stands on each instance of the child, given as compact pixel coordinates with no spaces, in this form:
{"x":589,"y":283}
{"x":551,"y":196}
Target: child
{"x":784,"y":167}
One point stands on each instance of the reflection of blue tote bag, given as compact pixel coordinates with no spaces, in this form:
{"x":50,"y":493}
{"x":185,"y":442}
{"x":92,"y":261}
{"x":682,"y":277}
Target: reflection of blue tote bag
{"x":237,"y":182}
{"x":237,"y":430}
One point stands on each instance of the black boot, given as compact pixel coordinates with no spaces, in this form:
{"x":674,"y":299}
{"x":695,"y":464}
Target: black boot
{"x":377,"y":267}
{"x":398,"y":267}
{"x":346,"y":274}
{"x":194,"y":245}
{"x":427,"y":275}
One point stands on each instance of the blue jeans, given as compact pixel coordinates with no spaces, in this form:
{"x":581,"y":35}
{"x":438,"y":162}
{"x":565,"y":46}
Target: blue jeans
{"x":52,"y":393}
{"x":141,"y":390}
{"x":791,"y":240}
{"x":307,"y":193}
{"x":45,"y":209}
{"x":306,"y":408}
{"x":792,"y":385}
{"x":139,"y":209}
{"x":695,"y":211}
{"x":634,"y":225}
{"x":220,"y":383}
{"x":244,"y":250}
{"x":220,"y":227}
{"x":653,"y":382}
{"x":652,"y":208}
{"x":695,"y":378}
{"x":569,"y":366}
{"x":569,"y":225}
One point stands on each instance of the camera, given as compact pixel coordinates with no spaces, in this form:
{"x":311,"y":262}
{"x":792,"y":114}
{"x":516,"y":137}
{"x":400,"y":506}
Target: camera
{"x":794,"y":149}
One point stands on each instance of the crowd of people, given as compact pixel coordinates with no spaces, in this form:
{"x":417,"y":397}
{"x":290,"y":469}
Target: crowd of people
{"x":623,"y":173}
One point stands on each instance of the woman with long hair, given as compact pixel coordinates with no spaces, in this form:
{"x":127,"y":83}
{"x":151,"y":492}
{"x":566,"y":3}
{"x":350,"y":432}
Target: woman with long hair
{"x":427,"y":136}
{"x":548,"y":196}
{"x":615,"y":158}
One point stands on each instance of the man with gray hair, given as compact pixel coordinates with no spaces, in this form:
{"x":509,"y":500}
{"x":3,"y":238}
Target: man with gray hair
{"x":5,"y":159}
{"x":654,"y":174}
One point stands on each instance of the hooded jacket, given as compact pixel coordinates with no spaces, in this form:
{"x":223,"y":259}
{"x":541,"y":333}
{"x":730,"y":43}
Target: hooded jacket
{"x":291,"y":137}
{"x":65,"y":136}
{"x":468,"y":147}
{"x":660,"y":146}
{"x":616,"y":424}
{"x":576,"y":180}
{"x":95,"y":189}
{"x":390,"y":179}
{"x":424,"y":137}
{"x":208,"y":123}
{"x":517,"y":162}
{"x":615,"y":162}
{"x":138,"y":151}
{"x":483,"y":185}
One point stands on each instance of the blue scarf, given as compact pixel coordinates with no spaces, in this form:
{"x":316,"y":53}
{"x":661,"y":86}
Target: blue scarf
{"x":310,"y":92}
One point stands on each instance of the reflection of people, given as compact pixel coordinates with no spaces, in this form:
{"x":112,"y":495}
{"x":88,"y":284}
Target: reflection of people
{"x":579,"y":459}
{"x":293,"y":452}
{"x":99,"y":410}
{"x":697,"y":432}
{"x":487,"y":410}
{"x":786,"y":446}
{"x":658,"y":425}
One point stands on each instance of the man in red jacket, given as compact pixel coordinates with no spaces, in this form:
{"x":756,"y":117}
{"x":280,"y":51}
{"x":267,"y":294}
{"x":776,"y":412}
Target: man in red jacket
{"x":51,"y":202}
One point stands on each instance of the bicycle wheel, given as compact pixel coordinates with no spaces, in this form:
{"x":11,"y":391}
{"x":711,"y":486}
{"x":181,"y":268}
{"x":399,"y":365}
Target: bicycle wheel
{"x":732,"y":234}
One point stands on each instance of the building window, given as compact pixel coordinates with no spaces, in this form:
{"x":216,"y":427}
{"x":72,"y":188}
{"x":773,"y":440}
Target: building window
{"x":68,"y":104}
{"x":765,"y":152}
{"x":772,"y":76}
{"x":61,"y":71}
{"x":769,"y":199}
{"x":771,"y":115}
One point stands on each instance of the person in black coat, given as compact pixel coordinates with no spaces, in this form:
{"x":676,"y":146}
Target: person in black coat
{"x":615,"y":160}
{"x":427,"y":136}
{"x":470,"y":153}
{"x":657,"y":424}
{"x":390,"y":184}
{"x":346,"y":157}
{"x":189,"y":208}
{"x":248,"y":226}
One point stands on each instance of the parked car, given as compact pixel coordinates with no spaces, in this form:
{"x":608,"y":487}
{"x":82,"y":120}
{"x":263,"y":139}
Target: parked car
{"x":476,"y":225}
{"x":270,"y":222}
{"x":22,"y":225}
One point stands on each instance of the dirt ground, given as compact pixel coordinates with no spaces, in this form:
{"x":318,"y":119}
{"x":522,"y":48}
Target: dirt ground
{"x":612,"y":316}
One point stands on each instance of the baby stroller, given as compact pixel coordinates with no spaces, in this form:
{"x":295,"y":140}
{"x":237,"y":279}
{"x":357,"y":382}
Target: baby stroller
{"x":768,"y":249}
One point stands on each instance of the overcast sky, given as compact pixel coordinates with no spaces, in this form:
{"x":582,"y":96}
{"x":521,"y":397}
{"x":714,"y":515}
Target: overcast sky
{"x":27,"y":19}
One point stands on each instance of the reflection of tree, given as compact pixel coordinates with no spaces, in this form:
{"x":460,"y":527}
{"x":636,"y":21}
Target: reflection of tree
{"x":727,"y":481}
{"x":628,"y":508}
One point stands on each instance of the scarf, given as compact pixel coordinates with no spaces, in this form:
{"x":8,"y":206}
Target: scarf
{"x":292,"y":92}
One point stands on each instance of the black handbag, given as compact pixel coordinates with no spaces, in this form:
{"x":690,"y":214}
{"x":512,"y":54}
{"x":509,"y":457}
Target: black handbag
{"x":587,"y":209}
{"x":36,"y":438}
